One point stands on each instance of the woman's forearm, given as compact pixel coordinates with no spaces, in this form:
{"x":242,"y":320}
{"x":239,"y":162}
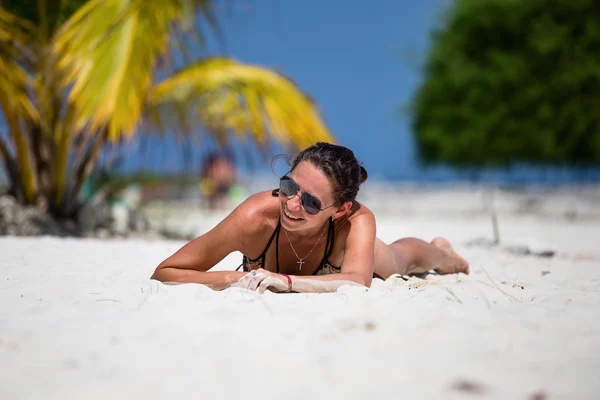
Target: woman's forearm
{"x":216,"y":280}
{"x":324,"y":283}
{"x":219,"y":280}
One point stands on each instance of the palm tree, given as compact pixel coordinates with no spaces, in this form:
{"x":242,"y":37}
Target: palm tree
{"x":78,"y":75}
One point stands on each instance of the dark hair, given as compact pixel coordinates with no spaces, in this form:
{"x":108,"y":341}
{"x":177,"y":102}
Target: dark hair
{"x":339,"y":164}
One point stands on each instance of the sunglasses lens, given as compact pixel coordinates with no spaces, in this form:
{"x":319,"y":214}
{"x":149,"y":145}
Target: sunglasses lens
{"x":311,"y":204}
{"x":287,"y":186}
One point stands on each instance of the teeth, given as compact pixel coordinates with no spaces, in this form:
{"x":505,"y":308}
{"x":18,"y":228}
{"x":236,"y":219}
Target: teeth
{"x":285,"y":210}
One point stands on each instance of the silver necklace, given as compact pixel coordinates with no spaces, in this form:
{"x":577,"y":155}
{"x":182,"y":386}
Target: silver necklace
{"x":301,"y":260}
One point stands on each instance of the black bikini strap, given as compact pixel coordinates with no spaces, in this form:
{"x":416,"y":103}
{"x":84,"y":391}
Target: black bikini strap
{"x":330,"y":233}
{"x":276,"y":233}
{"x":264,"y":252}
{"x":328,"y":245}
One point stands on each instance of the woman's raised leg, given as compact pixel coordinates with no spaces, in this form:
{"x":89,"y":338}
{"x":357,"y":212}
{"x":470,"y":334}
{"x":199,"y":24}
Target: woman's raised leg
{"x":413,"y":256}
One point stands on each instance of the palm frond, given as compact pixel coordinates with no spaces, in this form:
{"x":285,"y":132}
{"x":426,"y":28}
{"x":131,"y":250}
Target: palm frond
{"x":224,"y":95}
{"x":14,"y":38}
{"x":107,"y":51}
{"x":14,"y":101}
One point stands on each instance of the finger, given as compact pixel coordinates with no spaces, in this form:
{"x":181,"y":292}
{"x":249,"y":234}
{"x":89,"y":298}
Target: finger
{"x":247,"y":279}
{"x":264,"y":271}
{"x":256,"y":280}
{"x":264,"y":285}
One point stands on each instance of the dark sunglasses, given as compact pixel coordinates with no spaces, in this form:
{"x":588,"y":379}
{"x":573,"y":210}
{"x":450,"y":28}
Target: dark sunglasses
{"x":311,"y":204}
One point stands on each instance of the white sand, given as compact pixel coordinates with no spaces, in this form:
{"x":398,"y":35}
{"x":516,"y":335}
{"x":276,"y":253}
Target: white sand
{"x":80,"y":319}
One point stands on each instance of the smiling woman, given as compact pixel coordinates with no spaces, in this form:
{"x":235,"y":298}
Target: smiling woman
{"x":329,"y":238}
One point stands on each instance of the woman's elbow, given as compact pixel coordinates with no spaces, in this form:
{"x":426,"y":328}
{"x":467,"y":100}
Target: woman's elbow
{"x":163,"y":273}
{"x":359,"y":279}
{"x":157,"y":275}
{"x":364,"y":281}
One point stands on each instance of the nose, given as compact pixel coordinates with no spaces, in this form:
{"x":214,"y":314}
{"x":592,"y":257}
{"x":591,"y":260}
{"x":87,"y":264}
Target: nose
{"x":293,"y":203}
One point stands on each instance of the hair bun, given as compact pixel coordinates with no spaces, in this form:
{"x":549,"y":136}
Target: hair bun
{"x":363,"y":174}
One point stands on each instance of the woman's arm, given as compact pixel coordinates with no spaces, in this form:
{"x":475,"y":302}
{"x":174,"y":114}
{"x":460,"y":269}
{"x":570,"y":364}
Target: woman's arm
{"x":324,"y":283}
{"x":216,"y":280}
{"x":190,"y":264}
{"x":359,"y":258}
{"x":261,"y":280}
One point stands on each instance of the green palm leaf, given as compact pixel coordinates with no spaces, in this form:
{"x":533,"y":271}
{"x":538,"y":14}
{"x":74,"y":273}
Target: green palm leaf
{"x":107,"y":51}
{"x":224,"y":95}
{"x":14,"y":101}
{"x":14,"y":37}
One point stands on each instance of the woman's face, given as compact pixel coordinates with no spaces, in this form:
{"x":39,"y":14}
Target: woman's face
{"x":312,"y":180}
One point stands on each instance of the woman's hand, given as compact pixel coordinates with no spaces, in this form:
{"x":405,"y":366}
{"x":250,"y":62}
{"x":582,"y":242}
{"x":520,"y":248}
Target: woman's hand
{"x":260,"y":280}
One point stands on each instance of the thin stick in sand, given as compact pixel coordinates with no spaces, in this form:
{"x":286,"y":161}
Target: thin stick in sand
{"x":453,"y":294}
{"x":496,"y":286}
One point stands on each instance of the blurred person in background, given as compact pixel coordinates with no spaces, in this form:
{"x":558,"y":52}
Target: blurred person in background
{"x":219,"y":185}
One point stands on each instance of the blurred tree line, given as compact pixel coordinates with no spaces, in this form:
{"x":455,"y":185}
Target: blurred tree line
{"x":512,"y":81}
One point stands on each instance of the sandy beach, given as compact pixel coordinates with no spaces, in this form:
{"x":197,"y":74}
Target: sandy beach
{"x":80,"y":318}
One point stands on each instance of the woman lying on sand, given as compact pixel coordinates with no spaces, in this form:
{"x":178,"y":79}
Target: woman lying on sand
{"x":310,"y":235}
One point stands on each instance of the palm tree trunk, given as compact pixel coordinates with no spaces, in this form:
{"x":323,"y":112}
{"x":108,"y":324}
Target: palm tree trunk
{"x":27,"y":176}
{"x":84,"y":169}
{"x":11,"y":168}
{"x":65,"y":132}
{"x":60,"y":170}
{"x":43,"y":150}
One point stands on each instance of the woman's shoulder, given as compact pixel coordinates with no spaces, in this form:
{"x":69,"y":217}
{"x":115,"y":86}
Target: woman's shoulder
{"x":359,"y":211}
{"x":259,"y":211}
{"x":358,"y":215}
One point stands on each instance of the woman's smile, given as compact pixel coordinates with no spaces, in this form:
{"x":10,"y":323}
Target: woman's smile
{"x":289,"y":214}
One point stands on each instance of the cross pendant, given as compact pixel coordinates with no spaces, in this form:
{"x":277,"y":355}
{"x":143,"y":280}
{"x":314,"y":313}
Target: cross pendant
{"x":300,"y":261}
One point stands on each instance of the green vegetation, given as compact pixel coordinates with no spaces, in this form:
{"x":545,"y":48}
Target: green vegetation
{"x":512,"y":81}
